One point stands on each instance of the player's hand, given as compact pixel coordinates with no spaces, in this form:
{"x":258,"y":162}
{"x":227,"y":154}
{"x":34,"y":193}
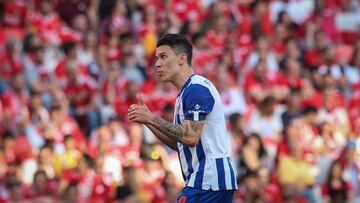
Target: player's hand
{"x":140,"y":113}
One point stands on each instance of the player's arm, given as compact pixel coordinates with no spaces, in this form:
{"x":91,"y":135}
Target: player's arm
{"x":167,"y":132}
{"x":163,"y":138}
{"x":188,"y":133}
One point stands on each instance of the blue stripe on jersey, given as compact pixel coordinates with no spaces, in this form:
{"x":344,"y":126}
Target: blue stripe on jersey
{"x":188,"y":158}
{"x":200,"y":173}
{"x":232,"y":174}
{"x":178,"y":121}
{"x":220,"y":173}
{"x":182,"y":172}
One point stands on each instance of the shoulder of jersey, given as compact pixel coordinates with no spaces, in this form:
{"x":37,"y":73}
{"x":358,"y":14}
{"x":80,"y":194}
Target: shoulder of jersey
{"x":197,"y":79}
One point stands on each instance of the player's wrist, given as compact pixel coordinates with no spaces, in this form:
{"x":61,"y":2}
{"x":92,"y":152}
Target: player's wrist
{"x":151,"y":119}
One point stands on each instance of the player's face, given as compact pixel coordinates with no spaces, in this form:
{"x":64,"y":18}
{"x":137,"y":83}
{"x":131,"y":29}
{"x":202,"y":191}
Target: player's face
{"x":167,"y":63}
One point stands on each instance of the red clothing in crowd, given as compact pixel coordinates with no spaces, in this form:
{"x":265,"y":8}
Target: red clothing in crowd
{"x":354,"y":108}
{"x":48,"y":27}
{"x":313,"y":58}
{"x":9,"y":64}
{"x":82,"y":93}
{"x":60,"y":70}
{"x":315,"y":100}
{"x":14,"y":14}
{"x":187,"y":10}
{"x":343,"y":187}
{"x":123,"y":104}
{"x":100,"y":191}
{"x":14,"y":103}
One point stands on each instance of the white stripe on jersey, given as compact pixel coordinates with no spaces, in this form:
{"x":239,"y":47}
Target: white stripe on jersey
{"x":195,"y":165}
{"x":227,"y":174}
{"x":183,"y":163}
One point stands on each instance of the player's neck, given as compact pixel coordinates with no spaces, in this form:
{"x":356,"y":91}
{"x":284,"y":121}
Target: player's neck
{"x":180,"y":81}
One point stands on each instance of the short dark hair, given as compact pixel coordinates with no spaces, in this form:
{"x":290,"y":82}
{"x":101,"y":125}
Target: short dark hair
{"x":179,"y":43}
{"x":67,"y":47}
{"x":309,"y":109}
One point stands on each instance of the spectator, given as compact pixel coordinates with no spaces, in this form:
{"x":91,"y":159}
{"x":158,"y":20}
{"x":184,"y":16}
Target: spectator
{"x":69,"y":158}
{"x":40,"y":187}
{"x":249,"y":190}
{"x":10,"y":62}
{"x":252,"y":155}
{"x":295,"y":175}
{"x":232,"y":98}
{"x":293,"y":109}
{"x":263,"y":52}
{"x":80,"y":92}
{"x":237,"y":136}
{"x":16,"y":191}
{"x":266,"y":120}
{"x":270,"y":192}
{"x":46,"y":160}
{"x":336,"y":189}
{"x":70,"y":193}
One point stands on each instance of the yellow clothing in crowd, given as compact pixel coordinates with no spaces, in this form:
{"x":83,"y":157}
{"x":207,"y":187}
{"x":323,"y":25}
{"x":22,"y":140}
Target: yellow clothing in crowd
{"x":293,"y":171}
{"x":67,"y":160}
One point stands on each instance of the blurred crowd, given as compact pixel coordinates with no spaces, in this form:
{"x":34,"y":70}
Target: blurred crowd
{"x":288,"y":72}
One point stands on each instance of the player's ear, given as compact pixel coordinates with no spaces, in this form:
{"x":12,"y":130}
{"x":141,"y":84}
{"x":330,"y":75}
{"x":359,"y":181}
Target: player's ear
{"x":182,"y":58}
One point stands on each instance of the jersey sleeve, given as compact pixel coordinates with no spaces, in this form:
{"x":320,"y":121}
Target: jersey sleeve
{"x":197,"y":102}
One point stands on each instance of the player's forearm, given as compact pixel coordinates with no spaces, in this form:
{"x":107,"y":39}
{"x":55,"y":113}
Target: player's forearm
{"x":174,"y":131}
{"x":164,"y":138}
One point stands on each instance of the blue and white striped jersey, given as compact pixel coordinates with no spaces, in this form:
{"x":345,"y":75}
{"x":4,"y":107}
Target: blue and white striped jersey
{"x":207,"y":165}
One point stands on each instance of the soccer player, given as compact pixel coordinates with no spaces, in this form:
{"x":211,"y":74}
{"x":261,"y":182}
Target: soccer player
{"x":198,"y":133}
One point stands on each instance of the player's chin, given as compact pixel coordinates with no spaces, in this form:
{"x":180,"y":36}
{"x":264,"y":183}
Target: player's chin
{"x":166,"y":80}
{"x":163,"y":78}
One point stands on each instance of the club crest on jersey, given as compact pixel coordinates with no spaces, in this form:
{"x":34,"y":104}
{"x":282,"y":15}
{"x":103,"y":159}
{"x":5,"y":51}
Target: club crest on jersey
{"x":196,"y":112}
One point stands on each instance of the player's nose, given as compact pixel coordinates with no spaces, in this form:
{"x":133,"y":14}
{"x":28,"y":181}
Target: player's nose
{"x":157,"y":64}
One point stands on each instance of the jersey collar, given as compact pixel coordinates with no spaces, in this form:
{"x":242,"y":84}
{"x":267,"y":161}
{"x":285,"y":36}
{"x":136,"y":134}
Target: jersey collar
{"x":186,"y":84}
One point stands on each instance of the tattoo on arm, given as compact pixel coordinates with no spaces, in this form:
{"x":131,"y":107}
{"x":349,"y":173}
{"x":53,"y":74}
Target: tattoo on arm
{"x":174,"y":131}
{"x":195,"y":125}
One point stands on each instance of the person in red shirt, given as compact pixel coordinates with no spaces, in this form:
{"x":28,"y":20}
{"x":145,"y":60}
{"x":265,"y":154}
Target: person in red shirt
{"x":67,"y":9}
{"x":261,"y":82}
{"x":311,"y":96}
{"x":9,"y":62}
{"x":270,"y":192}
{"x":7,"y":145}
{"x":70,"y":51}
{"x":123,"y":101}
{"x":168,"y":191}
{"x":261,"y":22}
{"x":278,"y":43}
{"x":100,"y":190}
{"x":15,"y":102}
{"x":186,"y":10}
{"x":80,"y":91}
{"x":13,"y":14}
{"x":292,"y":75}
{"x":46,"y":22}
{"x":40,"y":187}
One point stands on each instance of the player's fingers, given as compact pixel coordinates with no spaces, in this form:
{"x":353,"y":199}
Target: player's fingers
{"x":140,"y":99}
{"x":133,"y":107}
{"x":132,"y":117}
{"x":132,"y":112}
